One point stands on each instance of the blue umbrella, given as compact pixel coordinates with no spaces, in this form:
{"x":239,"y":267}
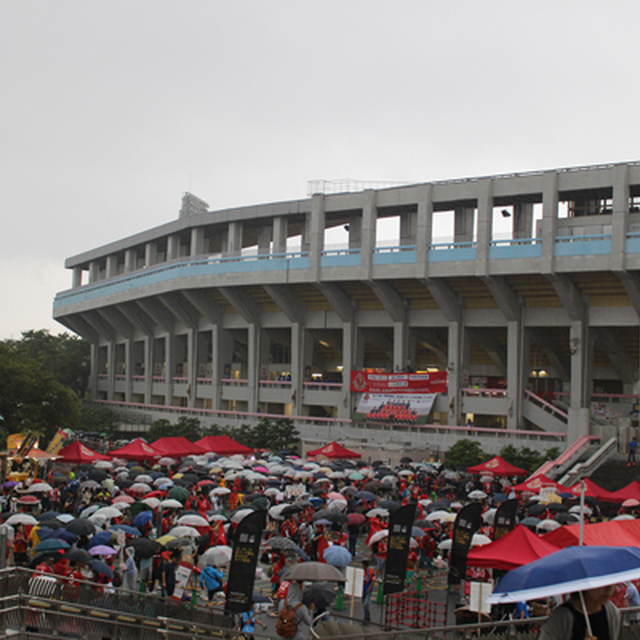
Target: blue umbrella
{"x":566,"y":571}
{"x":65,"y":535}
{"x":142,"y":518}
{"x":103,"y":537}
{"x":130,"y":531}
{"x":337,"y":556}
{"x":102,"y":568}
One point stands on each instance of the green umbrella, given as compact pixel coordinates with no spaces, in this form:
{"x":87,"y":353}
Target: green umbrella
{"x":179,"y":493}
{"x":138,"y":507}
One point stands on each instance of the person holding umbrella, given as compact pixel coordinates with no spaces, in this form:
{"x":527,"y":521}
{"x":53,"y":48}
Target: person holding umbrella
{"x":589,"y":614}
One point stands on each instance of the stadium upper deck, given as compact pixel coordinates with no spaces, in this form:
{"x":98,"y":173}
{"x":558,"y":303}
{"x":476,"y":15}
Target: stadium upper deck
{"x":514,"y":284}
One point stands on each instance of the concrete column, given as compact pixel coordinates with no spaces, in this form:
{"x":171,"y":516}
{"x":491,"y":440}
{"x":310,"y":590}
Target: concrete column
{"x":280,"y":230}
{"x":111,"y":370}
{"x":93,"y":373}
{"x":355,"y":232}
{"x":170,"y":370}
{"x":348,"y":364}
{"x":264,"y":240}
{"x":400,"y":345}
{"x":305,"y":239}
{"x":316,"y":239}
{"x":515,"y":387}
{"x":148,"y":369}
{"x":234,"y":239}
{"x":150,"y":254}
{"x":173,"y":247}
{"x":580,"y":349}
{"x":549,"y":221}
{"x":620,"y":215}
{"x":254,"y":338}
{"x":298,"y":339}
{"x":454,"y":368}
{"x":424,"y":230}
{"x":76,"y":277}
{"x":369,"y":219}
{"x":222,"y":355}
{"x":485,"y":224}
{"x":93,"y":271}
{"x":112,"y":266}
{"x":129,"y":260}
{"x":192,"y":367}
{"x":128,"y":369}
{"x":523,"y":220}
{"x":197,"y":241}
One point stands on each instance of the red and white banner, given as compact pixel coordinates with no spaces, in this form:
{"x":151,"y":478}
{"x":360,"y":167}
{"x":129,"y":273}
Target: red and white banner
{"x":370,"y":382}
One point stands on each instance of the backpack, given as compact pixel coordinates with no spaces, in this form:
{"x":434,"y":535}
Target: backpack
{"x":287,"y":624}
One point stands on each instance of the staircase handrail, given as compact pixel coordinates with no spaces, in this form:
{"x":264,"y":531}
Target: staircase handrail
{"x":584,"y":469}
{"x":547,"y":406}
{"x":554,"y":466}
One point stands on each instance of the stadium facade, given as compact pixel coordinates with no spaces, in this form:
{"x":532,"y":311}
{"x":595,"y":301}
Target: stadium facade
{"x":524,"y":288}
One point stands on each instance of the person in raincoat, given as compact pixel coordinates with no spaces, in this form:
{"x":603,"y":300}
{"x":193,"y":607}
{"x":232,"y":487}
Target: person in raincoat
{"x":569,"y":619}
{"x":130,"y":570}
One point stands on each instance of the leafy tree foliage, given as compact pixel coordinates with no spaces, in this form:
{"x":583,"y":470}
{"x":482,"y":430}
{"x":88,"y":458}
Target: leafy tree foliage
{"x":464,"y":453}
{"x":526,"y":458}
{"x":66,"y":357}
{"x":277,"y":435}
{"x":100,"y":419}
{"x":31,"y":399}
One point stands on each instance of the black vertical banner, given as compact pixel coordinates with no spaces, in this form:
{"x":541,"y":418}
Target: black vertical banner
{"x":505,"y":518}
{"x":466,"y":524}
{"x":242,"y":573}
{"x":400,"y":524}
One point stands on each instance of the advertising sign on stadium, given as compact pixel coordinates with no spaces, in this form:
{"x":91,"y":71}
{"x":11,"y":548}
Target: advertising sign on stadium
{"x":371,"y":382}
{"x":400,"y":409}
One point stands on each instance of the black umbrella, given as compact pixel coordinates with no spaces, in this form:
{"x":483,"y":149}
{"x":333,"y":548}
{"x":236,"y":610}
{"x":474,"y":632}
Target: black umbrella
{"x":290,"y":509}
{"x":98,"y":474}
{"x":81,"y":527}
{"x":52,"y":524}
{"x":322,"y":594}
{"x":281,"y":543}
{"x":145,"y":547}
{"x":78,"y":555}
{"x":102,"y":568}
{"x":536,"y":509}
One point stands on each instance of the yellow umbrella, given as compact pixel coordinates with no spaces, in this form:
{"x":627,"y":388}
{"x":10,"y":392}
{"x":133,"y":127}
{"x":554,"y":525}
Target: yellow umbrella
{"x":164,"y":539}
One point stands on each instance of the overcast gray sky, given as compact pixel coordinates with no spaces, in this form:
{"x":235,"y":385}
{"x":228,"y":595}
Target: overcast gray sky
{"x":111,"y":110}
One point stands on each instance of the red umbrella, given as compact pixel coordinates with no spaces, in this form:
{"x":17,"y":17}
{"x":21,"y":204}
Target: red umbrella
{"x":355,"y":518}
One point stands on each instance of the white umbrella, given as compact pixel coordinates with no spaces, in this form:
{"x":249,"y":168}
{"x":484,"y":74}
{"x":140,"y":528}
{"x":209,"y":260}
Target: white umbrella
{"x":624,"y":516}
{"x":477,"y":495}
{"x":65,"y":517}
{"x":489,"y":516}
{"x":103,"y":464}
{"x":160,"y":481}
{"x":170,"y":503}
{"x":192,"y":520}
{"x":241,"y":514}
{"x":441,"y":516}
{"x":378,"y":535}
{"x":378,"y":512}
{"x":547,"y":525}
{"x":220,"y":491}
{"x":40,"y":487}
{"x":89,"y":511}
{"x":143,"y":477}
{"x":108,"y":512}
{"x":140,"y":487}
{"x":276,"y":510}
{"x":478,"y":540}
{"x":167,"y":462}
{"x":21,"y":518}
{"x":184,"y":532}
{"x":217,"y":556}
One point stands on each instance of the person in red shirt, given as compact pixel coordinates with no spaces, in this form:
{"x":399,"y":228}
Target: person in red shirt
{"x":62,"y":568}
{"x":289,"y":527}
{"x":381,"y":557}
{"x":20,"y":542}
{"x":45,"y":566}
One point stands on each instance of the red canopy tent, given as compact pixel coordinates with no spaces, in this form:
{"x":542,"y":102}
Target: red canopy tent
{"x":632,"y":490}
{"x":617,"y":533}
{"x":538,"y":482}
{"x":592,"y":490}
{"x":519,"y":546}
{"x":334,"y":450}
{"x":77,"y":453}
{"x":177,"y":447}
{"x":223,"y":445}
{"x":138,"y":449}
{"x":498,"y":467}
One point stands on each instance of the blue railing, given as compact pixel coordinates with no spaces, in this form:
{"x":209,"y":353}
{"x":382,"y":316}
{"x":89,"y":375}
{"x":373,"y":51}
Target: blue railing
{"x":340,"y":258}
{"x":515,"y":248}
{"x":401,"y":254}
{"x":587,"y":245}
{"x":452,"y":251}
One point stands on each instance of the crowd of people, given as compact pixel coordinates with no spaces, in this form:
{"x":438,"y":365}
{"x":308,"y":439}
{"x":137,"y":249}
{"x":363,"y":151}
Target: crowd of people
{"x":130,"y":524}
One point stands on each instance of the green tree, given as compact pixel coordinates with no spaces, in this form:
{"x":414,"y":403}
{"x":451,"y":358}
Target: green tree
{"x":32,"y":399}
{"x":100,"y":419}
{"x":189,"y":428}
{"x":464,"y":453}
{"x":66,"y":357}
{"x":526,"y":458}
